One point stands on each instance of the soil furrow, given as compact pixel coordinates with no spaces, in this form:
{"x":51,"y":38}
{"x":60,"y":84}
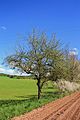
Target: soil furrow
{"x":67,"y":108}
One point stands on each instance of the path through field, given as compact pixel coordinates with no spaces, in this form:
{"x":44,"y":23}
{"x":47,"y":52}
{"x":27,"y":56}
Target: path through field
{"x":67,"y":108}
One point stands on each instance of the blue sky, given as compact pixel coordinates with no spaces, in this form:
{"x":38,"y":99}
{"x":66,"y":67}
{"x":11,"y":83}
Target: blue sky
{"x":18,"y":17}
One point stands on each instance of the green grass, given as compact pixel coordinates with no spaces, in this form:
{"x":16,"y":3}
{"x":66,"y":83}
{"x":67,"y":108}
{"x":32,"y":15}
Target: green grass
{"x":12,"y":88}
{"x":18,"y":96}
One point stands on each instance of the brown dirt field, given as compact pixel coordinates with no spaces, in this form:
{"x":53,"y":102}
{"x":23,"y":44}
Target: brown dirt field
{"x":67,"y":108}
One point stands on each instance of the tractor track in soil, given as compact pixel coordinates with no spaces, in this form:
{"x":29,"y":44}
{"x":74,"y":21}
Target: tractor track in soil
{"x":66,"y":108}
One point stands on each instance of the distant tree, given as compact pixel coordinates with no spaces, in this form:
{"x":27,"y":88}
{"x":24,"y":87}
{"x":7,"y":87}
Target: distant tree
{"x":42,"y":57}
{"x":72,"y":66}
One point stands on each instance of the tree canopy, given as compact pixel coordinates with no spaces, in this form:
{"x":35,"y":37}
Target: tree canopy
{"x":42,"y":56}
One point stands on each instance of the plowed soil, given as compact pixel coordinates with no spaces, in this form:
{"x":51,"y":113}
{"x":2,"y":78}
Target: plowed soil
{"x":67,"y":108}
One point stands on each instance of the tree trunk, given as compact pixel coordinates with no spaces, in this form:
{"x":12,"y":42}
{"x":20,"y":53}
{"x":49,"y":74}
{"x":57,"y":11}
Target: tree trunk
{"x":39,"y":88}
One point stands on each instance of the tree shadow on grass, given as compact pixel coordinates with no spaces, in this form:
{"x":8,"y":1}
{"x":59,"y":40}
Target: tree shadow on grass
{"x":49,"y":88}
{"x":54,"y":94}
{"x":26,"y":96}
{"x":21,"y":100}
{"x":30,"y":98}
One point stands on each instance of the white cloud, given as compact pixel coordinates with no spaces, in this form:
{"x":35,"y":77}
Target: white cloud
{"x":2,"y":70}
{"x":3,"y":28}
{"x":74,"y":51}
{"x":11,"y":71}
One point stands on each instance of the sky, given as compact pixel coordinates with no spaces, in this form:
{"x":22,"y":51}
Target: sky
{"x":19,"y":17}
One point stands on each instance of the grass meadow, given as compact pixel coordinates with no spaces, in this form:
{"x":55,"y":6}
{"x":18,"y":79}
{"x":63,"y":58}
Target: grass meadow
{"x":12,"y":88}
{"x":18,"y":96}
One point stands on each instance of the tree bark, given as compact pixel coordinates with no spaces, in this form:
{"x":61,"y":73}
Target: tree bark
{"x":39,"y":88}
